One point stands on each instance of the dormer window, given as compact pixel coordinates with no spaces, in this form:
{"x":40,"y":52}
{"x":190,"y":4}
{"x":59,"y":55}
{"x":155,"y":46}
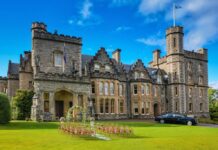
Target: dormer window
{"x":136,"y":75}
{"x":142,"y":75}
{"x":158,"y":79}
{"x":107,"y":68}
{"x":58,"y":59}
{"x":97,"y":67}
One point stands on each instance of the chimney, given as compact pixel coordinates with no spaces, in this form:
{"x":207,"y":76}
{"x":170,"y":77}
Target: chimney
{"x":156,"y":56}
{"x":116,"y":55}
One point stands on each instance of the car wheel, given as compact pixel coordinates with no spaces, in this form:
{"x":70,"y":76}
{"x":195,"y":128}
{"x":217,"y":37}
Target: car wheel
{"x":162,"y":121}
{"x":189,"y":123}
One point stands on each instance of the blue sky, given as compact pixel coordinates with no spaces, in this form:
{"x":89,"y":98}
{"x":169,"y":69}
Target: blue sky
{"x":135,"y":26}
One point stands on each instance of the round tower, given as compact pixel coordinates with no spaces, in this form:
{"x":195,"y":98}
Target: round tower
{"x":176,"y":69}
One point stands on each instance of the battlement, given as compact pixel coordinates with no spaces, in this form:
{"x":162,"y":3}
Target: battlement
{"x":40,"y":32}
{"x":177,"y":29}
{"x":201,"y":54}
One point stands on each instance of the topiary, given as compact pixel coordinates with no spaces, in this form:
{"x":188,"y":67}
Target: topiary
{"x":5,"y":109}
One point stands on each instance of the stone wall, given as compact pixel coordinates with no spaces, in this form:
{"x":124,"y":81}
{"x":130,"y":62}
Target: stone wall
{"x":3,"y":85}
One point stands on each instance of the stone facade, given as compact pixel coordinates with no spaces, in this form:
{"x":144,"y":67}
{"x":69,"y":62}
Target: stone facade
{"x":62,"y":77}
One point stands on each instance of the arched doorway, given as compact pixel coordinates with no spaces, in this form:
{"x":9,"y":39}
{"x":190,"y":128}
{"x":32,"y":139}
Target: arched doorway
{"x":63,"y":101}
{"x":156,"y":110}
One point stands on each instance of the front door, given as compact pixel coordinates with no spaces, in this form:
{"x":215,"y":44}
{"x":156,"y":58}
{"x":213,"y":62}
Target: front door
{"x":59,"y":108}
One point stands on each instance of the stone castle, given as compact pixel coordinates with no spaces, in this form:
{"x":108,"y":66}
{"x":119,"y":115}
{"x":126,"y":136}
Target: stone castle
{"x":62,"y":77}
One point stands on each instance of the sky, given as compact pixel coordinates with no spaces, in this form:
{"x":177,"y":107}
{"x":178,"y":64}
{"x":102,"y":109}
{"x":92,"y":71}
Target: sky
{"x":137,"y":27}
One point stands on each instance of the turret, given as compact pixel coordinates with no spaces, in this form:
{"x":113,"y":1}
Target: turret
{"x":174,"y":39}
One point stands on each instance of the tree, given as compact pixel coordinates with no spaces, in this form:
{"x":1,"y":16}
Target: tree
{"x":213,"y":97}
{"x":5,"y":109}
{"x":23,"y":102}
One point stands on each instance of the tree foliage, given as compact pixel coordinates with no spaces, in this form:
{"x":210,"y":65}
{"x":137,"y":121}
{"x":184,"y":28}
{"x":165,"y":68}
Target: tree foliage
{"x":213,"y":102}
{"x":23,"y":102}
{"x":5,"y":109}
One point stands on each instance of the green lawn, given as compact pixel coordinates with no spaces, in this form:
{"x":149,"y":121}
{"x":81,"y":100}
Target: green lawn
{"x":46,"y":136}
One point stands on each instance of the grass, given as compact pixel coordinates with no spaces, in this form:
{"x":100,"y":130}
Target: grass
{"x":45,"y":136}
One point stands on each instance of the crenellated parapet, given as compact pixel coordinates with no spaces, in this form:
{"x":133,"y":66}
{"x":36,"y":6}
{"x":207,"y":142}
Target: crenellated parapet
{"x":201,"y":54}
{"x":40,"y":32}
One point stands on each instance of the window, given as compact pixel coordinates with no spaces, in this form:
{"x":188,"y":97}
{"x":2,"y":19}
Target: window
{"x":155,"y":91}
{"x":106,"y":106}
{"x":143,"y":89}
{"x":189,"y":78}
{"x":101,"y":88}
{"x":176,"y":91}
{"x":112,"y":106}
{"x":200,"y":67}
{"x":70,"y":104}
{"x":142,"y":75}
{"x":46,"y":96}
{"x":201,"y":107}
{"x":107,"y":68}
{"x":101,"y":106}
{"x":93,"y":87}
{"x":120,"y":89}
{"x":58,"y":60}
{"x":189,"y":66}
{"x":147,"y":107}
{"x":135,"y":90}
{"x":136,"y":111}
{"x":80,"y":100}
{"x":190,"y":92}
{"x":175,"y":76}
{"x":30,"y":84}
{"x":121,"y":106}
{"x":201,"y":92}
{"x":143,"y":109}
{"x":96,"y":67}
{"x":190,"y":107}
{"x":158,"y":79}
{"x":112,"y":88}
{"x":176,"y":106}
{"x":136,"y":75}
{"x":46,"y":106}
{"x":200,"y":80}
{"x":106,"y":88}
{"x":174,"y":42}
{"x":147,"y":89}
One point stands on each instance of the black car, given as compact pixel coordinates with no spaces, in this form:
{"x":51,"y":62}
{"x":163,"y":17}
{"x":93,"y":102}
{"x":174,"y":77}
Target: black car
{"x":175,"y":118}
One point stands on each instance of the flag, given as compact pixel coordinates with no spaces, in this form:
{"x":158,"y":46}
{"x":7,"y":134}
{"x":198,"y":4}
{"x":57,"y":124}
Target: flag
{"x":177,"y":7}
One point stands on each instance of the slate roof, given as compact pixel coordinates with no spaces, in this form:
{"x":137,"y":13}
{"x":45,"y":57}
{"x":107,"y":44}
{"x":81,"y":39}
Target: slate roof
{"x":13,"y":68}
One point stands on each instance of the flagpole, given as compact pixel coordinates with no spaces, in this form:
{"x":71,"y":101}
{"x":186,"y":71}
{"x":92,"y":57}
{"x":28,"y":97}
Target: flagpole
{"x":174,"y":15}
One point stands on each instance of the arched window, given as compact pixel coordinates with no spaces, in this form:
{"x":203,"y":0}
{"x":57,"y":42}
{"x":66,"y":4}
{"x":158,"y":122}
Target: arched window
{"x":106,"y":88}
{"x":111,"y":88}
{"x":101,"y":88}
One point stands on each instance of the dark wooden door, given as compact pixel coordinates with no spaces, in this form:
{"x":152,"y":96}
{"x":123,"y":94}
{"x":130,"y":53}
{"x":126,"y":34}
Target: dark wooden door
{"x":156,"y":112}
{"x":59,"y":108}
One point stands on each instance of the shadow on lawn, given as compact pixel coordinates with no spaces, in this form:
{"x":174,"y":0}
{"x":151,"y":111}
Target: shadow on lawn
{"x":20,"y":125}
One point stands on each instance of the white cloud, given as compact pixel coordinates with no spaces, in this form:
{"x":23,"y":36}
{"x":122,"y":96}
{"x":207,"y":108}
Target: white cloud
{"x":199,"y":18}
{"x":147,"y":7}
{"x":152,"y":41}
{"x":123,"y":28}
{"x":85,"y":16}
{"x":86,"y":9}
{"x":214,"y":84}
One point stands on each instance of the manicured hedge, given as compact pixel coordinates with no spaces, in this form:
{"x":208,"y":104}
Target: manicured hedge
{"x":5,"y":109}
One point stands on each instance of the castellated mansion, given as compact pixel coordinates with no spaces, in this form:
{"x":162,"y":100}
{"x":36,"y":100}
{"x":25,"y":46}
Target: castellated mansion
{"x":62,"y":77}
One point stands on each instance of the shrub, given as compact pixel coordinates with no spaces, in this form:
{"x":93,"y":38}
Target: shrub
{"x":214,"y":115}
{"x":23,"y":102}
{"x":5,"y":109}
